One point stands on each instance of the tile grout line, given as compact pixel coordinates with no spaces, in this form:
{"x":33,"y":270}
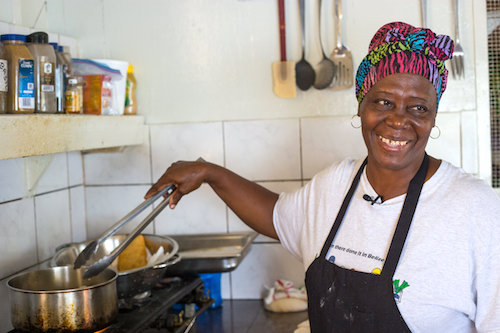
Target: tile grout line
{"x":227,"y":208}
{"x":69,"y":198}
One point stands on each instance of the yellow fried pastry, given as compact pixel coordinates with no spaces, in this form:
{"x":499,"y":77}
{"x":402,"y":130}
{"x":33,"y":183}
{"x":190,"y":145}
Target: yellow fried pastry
{"x":134,"y":255}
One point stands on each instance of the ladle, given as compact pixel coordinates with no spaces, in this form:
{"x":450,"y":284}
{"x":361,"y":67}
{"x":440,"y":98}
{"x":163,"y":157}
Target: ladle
{"x":325,"y":69}
{"x":304,"y":72}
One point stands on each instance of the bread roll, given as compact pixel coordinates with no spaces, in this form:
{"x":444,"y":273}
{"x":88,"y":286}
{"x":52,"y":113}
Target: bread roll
{"x":134,"y":255}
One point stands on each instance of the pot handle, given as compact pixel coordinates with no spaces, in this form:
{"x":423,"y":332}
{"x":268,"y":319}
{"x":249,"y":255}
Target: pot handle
{"x":174,"y":260}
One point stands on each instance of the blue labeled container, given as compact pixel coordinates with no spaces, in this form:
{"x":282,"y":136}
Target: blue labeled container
{"x":211,"y":282}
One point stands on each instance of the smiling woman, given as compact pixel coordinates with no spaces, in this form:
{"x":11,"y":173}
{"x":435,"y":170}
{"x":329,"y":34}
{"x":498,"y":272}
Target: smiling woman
{"x":399,"y":241}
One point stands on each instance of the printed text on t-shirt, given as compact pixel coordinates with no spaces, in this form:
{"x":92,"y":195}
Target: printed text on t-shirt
{"x":359,"y":253}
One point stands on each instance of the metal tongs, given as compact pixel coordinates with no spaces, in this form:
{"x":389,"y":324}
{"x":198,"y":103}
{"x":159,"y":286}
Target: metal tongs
{"x":105,"y":261}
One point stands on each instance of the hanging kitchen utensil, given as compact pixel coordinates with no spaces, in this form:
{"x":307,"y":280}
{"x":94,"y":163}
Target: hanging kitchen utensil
{"x":325,"y":69}
{"x":423,"y":13}
{"x":106,"y":260}
{"x":341,"y":56}
{"x":457,"y":61}
{"x":304,"y":73}
{"x":283,"y":71}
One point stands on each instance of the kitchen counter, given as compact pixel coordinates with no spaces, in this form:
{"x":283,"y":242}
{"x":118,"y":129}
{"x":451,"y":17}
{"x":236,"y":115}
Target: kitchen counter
{"x":246,"y":316}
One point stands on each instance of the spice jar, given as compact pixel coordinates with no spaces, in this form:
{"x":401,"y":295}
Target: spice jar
{"x":4,"y":80}
{"x":45,"y":72}
{"x":74,"y":95}
{"x":21,"y":68}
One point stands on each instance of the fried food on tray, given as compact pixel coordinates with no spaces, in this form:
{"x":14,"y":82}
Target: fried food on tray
{"x":134,"y":255}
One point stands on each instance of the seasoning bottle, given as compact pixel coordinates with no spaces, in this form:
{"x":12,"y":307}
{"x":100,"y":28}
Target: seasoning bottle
{"x":21,"y":68}
{"x":4,"y":80}
{"x":45,"y":72}
{"x":60,"y":86}
{"x":74,"y":95}
{"x":65,"y":53}
{"x":130,"y":92}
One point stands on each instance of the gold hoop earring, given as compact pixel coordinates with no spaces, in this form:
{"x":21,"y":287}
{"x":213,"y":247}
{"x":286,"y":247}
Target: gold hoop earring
{"x":438,"y":134}
{"x":352,"y":121}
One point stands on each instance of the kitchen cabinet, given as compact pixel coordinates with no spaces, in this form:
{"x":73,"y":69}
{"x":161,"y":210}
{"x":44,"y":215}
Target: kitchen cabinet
{"x":33,"y":135}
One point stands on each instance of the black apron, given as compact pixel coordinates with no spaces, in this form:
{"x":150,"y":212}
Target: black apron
{"x":343,"y":300}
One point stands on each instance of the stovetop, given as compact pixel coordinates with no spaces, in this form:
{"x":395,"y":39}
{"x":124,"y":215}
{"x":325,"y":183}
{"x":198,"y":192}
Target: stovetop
{"x":170,"y":307}
{"x":156,"y":312}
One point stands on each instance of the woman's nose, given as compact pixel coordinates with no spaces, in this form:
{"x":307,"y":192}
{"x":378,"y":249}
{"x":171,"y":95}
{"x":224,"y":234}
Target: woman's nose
{"x":397,"y":119}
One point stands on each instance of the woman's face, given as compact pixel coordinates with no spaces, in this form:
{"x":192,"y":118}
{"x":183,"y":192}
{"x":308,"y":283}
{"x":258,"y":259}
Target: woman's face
{"x":397,"y":116}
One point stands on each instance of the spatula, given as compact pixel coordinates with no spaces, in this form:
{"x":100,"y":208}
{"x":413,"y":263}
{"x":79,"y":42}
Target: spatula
{"x":341,"y":56}
{"x":283,"y":71}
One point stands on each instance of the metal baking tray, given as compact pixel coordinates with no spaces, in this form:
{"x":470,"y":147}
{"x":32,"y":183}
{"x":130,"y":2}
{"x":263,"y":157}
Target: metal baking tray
{"x":211,"y":253}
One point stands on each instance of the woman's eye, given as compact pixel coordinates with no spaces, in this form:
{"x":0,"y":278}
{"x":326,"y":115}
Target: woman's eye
{"x":383,"y":102}
{"x":419,"y":108}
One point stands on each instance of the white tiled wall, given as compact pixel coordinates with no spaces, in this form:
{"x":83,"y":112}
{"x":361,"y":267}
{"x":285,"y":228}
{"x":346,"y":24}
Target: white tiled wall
{"x":218,"y":106}
{"x":263,"y":150}
{"x":31,"y":228}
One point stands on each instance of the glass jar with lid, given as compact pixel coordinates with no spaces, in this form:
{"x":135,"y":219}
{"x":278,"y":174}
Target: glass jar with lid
{"x":74,"y":95}
{"x":21,"y":68}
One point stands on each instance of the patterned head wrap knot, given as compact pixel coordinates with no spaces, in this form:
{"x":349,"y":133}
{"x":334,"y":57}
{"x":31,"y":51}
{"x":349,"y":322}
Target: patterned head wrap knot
{"x":401,"y":48}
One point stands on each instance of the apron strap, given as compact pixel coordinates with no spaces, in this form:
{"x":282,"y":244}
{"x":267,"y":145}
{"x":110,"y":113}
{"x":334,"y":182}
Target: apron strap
{"x":405,"y":219}
{"x":343,"y":209}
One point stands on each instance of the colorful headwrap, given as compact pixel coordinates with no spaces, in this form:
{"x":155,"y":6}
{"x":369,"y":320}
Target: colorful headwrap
{"x":401,"y":48}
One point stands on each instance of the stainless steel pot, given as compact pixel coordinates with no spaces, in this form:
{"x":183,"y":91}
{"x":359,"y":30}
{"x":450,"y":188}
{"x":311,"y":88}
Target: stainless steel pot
{"x":59,"y":299}
{"x":131,"y":282}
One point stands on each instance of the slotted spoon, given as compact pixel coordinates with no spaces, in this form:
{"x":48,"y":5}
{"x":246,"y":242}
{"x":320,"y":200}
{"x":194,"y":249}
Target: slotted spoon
{"x":457,"y":61}
{"x":341,"y":56}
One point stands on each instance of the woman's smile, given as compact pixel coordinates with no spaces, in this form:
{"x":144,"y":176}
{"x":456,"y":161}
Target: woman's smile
{"x":393,"y":144}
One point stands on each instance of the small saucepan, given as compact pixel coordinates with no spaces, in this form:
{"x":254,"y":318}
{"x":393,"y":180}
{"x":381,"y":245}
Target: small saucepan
{"x":59,"y":299}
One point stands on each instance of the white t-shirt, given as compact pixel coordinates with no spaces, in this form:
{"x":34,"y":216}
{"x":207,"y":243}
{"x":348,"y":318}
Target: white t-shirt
{"x":448,"y":276}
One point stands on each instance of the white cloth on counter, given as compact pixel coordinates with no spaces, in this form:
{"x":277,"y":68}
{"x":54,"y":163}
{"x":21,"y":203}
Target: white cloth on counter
{"x":284,"y":297}
{"x":447,"y":279}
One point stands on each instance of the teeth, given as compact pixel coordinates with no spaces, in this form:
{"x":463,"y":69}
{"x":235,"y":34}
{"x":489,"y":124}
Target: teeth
{"x":392,"y":142}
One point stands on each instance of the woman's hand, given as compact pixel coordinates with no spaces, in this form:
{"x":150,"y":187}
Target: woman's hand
{"x":186,"y":176}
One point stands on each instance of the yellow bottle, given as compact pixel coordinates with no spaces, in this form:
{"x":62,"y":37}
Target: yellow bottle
{"x":130,"y":93}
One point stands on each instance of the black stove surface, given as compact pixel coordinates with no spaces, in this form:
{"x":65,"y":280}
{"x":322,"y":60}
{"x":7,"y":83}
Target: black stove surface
{"x":154,"y":313}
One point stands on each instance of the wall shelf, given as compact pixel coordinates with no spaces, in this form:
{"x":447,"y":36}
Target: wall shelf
{"x":33,"y":135}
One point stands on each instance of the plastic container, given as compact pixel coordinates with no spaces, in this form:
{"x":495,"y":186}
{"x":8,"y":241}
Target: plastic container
{"x":45,"y":72}
{"x":118,"y":83}
{"x":66,"y":54}
{"x":60,"y":79}
{"x":4,"y":80}
{"x":97,"y":95}
{"x":101,"y":87}
{"x":21,"y":68}
{"x":130,"y":93}
{"x":211,"y":282}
